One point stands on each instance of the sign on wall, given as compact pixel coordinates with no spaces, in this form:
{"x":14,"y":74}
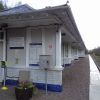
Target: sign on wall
{"x":16,"y":42}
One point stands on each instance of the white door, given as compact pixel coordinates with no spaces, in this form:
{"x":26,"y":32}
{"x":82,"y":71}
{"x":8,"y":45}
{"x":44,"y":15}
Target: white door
{"x":34,"y":53}
{"x":1,"y":58}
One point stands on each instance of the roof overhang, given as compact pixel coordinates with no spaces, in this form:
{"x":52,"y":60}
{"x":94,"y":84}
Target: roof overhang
{"x":49,"y":16}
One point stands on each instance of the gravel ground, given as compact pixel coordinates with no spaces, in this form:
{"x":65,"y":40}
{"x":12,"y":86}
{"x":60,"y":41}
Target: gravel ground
{"x":76,"y":79}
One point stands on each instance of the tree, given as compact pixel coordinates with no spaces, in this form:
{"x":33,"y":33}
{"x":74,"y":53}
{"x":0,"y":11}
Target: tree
{"x":3,"y":4}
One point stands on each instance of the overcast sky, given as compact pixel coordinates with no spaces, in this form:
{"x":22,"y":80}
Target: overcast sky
{"x":86,"y":14}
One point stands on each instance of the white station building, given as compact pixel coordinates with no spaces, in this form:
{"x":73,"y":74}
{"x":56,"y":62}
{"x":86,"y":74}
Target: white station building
{"x":33,"y":39}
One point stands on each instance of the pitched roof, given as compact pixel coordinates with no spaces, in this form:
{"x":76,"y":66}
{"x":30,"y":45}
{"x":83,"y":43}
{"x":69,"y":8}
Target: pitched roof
{"x":50,"y":15}
{"x":19,"y":9}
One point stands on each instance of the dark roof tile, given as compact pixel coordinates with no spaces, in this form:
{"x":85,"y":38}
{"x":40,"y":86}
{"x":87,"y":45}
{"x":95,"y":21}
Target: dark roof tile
{"x":19,"y":9}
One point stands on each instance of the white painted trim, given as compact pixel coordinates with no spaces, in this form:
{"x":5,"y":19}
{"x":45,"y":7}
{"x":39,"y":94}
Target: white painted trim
{"x":4,"y":46}
{"x":77,"y":53}
{"x":63,"y":50}
{"x":58,"y":48}
{"x":43,"y":41}
{"x":36,"y":68}
{"x":28,"y":40}
{"x":69,"y":51}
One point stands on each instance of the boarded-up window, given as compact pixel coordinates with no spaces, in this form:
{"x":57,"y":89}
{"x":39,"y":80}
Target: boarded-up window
{"x":35,"y":48}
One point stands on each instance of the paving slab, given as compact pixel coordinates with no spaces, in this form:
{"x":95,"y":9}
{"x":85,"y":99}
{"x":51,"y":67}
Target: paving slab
{"x":94,"y":93}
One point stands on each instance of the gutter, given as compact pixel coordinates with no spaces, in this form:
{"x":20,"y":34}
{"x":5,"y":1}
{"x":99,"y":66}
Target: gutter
{"x":70,"y":15}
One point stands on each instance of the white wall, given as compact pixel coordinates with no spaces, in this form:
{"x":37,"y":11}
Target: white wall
{"x":38,"y":75}
{"x":1,"y":58}
{"x":47,"y":38}
{"x":48,"y":47}
{"x":1,"y":51}
{"x":74,"y":53}
{"x":50,"y":43}
{"x":66,"y":53}
{"x":35,"y":46}
{"x":81,"y":53}
{"x":12,"y":54}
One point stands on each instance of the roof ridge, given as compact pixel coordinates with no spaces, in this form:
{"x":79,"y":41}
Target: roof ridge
{"x":18,"y":7}
{"x":28,"y":6}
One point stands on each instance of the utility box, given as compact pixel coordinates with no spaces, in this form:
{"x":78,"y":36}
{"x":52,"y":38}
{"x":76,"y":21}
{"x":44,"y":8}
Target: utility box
{"x":45,"y":61}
